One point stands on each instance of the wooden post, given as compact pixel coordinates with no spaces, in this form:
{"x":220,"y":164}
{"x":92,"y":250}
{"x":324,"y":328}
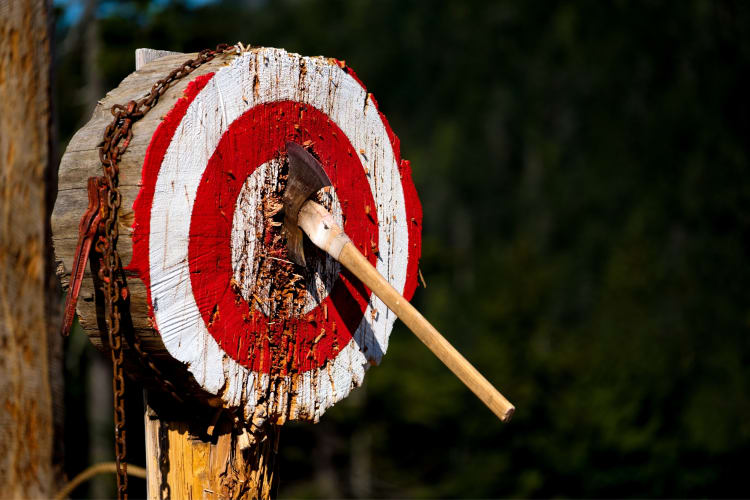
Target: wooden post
{"x":207,"y":458}
{"x":26,"y":420}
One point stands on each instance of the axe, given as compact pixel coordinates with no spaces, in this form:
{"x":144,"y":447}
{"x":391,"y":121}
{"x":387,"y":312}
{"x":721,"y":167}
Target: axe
{"x":307,"y":177}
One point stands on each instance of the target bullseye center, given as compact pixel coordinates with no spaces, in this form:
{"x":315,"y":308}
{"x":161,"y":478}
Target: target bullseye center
{"x":256,"y":205}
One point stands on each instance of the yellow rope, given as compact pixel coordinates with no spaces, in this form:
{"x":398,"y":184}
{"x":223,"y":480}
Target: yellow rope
{"x":102,"y":468}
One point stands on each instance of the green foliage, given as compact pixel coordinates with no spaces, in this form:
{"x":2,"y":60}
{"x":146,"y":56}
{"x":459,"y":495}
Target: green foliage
{"x":582,"y":168}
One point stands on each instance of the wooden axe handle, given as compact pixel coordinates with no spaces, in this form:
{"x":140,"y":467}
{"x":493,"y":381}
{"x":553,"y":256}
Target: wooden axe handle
{"x":326,"y":234}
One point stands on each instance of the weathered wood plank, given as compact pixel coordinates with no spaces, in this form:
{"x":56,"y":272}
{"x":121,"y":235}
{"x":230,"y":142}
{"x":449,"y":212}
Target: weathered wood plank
{"x":144,"y":56}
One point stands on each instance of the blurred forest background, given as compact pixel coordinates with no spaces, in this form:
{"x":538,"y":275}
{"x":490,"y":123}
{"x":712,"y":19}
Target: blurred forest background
{"x":584,"y":174}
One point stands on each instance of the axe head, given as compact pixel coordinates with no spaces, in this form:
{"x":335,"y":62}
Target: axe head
{"x":306,"y":177}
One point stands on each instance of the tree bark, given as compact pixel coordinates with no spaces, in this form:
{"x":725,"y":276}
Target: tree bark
{"x":26,"y":418}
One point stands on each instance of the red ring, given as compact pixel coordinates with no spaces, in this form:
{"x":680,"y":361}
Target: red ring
{"x":156,"y":151}
{"x":254,"y":138}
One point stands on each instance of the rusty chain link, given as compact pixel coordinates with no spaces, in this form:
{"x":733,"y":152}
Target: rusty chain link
{"x":117,"y":137}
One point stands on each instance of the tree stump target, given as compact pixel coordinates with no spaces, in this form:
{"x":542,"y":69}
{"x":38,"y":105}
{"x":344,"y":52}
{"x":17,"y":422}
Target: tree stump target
{"x":212,"y":290}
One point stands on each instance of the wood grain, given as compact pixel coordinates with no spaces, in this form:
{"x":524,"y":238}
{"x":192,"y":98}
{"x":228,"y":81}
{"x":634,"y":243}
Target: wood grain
{"x":184,"y":461}
{"x":26,"y":419}
{"x":144,"y":56}
{"x":81,"y":161}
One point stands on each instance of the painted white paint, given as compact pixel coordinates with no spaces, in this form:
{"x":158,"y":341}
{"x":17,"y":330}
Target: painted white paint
{"x":229,"y":94}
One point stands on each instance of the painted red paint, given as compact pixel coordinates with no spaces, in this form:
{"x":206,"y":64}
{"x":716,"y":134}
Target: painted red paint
{"x":411,"y":199}
{"x":157,"y":148}
{"x":210,"y":259}
{"x":248,"y":335}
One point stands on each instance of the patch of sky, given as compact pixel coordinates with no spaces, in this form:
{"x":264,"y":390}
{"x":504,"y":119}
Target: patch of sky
{"x":72,"y":10}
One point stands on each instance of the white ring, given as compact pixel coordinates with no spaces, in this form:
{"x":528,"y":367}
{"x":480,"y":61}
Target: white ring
{"x":256,"y":77}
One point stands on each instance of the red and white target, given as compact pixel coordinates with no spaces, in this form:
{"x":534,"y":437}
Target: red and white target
{"x":198,"y":239}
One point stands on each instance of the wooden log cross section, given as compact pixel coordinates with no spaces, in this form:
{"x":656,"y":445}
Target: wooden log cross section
{"x":213,"y":296}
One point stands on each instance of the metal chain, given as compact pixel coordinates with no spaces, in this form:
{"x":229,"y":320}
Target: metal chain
{"x":117,"y":137}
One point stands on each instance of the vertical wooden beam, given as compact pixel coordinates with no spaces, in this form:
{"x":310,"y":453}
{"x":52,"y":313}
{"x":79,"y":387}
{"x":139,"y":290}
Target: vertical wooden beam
{"x":197,"y":458}
{"x":26,"y":422}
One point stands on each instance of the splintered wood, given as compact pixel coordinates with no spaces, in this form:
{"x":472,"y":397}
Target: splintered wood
{"x":263,"y":274}
{"x":220,"y":466}
{"x":215,"y":288}
{"x":265,"y":280}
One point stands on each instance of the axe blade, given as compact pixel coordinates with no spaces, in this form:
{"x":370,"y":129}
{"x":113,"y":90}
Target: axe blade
{"x":306,"y":177}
